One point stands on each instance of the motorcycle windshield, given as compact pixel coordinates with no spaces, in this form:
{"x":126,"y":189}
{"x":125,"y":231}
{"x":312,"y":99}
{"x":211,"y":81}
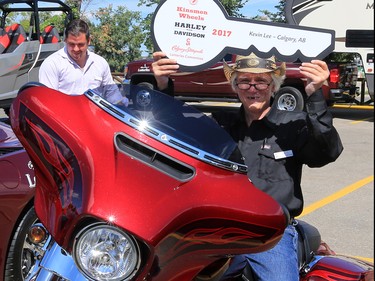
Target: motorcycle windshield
{"x":172,"y":122}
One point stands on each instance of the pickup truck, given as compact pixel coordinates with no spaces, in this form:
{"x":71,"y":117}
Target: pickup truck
{"x":211,"y":84}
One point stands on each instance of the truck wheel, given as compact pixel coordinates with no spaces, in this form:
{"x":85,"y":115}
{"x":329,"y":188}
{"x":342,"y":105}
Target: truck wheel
{"x":141,"y":97}
{"x":23,"y":256}
{"x":289,"y":98}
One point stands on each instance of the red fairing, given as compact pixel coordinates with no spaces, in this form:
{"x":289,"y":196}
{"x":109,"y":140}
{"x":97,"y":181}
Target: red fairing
{"x":81,"y":173}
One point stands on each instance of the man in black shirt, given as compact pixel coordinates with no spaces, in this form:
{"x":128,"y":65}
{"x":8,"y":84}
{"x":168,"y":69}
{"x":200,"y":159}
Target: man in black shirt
{"x":275,"y":145}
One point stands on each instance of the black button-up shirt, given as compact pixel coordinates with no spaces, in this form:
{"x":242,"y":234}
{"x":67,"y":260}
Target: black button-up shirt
{"x":276,"y":147}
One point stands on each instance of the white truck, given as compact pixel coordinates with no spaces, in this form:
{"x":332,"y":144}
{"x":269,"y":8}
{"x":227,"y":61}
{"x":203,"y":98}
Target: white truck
{"x":352,"y":21}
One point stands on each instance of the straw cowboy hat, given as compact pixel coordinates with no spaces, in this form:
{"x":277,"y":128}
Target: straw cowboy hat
{"x":254,"y":64}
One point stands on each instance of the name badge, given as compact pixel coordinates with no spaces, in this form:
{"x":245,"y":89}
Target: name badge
{"x":283,"y":154}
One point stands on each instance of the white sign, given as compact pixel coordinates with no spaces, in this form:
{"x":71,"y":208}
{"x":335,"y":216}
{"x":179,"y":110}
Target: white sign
{"x":197,"y":33}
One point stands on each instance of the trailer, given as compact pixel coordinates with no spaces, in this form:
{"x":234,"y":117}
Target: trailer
{"x":352,"y":21}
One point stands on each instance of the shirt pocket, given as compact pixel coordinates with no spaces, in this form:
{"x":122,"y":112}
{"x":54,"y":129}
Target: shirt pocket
{"x":272,"y":167}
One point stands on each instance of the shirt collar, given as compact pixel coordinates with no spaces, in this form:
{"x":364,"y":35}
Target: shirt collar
{"x":66,"y":55}
{"x":270,"y":120}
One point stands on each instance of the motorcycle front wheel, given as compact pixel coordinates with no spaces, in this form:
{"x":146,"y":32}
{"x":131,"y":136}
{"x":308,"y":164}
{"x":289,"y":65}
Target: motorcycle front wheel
{"x":23,"y":256}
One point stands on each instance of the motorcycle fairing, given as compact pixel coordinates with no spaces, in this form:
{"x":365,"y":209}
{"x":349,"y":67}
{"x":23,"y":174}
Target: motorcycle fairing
{"x":185,"y":222}
{"x":58,"y":161}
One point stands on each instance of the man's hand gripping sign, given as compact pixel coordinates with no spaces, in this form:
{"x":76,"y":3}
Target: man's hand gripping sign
{"x":198,"y":33}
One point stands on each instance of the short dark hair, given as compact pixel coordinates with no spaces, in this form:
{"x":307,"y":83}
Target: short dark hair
{"x":77,"y":26}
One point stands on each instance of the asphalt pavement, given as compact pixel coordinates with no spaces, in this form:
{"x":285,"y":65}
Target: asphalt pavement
{"x":339,"y":198}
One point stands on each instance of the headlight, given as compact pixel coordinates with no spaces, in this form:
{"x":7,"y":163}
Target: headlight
{"x":104,"y":252}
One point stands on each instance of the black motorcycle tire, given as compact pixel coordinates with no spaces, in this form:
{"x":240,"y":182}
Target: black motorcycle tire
{"x":16,"y":258}
{"x":289,"y":99}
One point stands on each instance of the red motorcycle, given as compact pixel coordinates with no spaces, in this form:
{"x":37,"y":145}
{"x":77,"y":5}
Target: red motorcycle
{"x":156,"y":190}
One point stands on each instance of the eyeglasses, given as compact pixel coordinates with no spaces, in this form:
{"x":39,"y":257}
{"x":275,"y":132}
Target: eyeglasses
{"x":244,"y":85}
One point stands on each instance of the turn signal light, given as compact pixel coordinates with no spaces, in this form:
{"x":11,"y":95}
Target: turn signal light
{"x":37,"y":234}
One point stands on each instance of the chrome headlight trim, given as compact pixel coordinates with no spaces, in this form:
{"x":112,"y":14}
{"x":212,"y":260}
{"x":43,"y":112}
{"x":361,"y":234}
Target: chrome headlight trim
{"x":104,"y":252}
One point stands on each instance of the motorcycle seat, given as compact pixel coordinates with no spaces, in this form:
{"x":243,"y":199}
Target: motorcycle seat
{"x":308,"y":241}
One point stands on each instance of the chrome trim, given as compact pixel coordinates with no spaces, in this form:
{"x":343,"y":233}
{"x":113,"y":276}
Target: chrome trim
{"x":165,"y":138}
{"x":57,"y":265}
{"x":307,"y":267}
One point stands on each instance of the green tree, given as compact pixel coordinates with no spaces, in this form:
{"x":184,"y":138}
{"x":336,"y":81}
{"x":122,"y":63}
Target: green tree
{"x":45,"y":18}
{"x":49,"y":18}
{"x":75,"y":5}
{"x":117,"y":35}
{"x":278,"y":16}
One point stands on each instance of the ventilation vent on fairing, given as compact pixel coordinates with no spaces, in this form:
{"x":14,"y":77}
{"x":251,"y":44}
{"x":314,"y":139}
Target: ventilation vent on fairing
{"x":153,"y":158}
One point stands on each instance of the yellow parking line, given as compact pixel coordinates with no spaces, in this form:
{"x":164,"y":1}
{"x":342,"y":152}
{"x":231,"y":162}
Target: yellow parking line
{"x":341,"y":193}
{"x":366,"y":259}
{"x":309,"y":209}
{"x":354,"y":106}
{"x":362,"y":120}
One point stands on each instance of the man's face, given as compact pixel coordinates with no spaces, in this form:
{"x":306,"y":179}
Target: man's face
{"x":77,"y":47}
{"x":257,"y":96}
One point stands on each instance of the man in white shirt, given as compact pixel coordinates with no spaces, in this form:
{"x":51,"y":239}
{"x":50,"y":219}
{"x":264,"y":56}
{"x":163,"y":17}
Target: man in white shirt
{"x":74,"y":69}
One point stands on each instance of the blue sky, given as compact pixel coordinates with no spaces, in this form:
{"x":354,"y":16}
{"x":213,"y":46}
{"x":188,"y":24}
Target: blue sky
{"x":250,"y":10}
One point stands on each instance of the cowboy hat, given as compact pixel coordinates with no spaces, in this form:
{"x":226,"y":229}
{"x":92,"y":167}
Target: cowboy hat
{"x":254,"y":64}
